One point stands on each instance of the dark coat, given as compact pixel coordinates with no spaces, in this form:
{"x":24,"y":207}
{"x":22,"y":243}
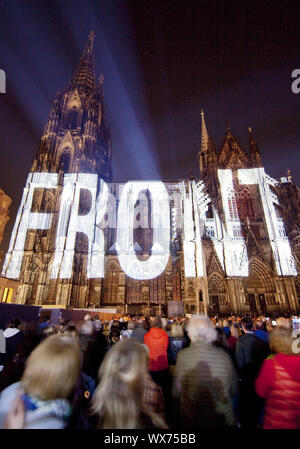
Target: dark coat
{"x":250,"y":353}
{"x":175,"y":345}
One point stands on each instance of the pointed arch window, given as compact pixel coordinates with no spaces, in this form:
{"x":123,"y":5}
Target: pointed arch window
{"x":245,"y":205}
{"x":111,"y":284}
{"x":73,"y":117}
{"x":240,"y":203}
{"x":233,"y":205}
{"x":65,"y":159}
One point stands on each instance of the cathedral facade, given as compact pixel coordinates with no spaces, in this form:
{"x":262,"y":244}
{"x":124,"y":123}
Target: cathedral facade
{"x":233,"y":236}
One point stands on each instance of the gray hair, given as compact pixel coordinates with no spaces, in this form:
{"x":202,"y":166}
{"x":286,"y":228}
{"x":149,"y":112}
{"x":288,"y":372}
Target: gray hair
{"x":200,"y":328}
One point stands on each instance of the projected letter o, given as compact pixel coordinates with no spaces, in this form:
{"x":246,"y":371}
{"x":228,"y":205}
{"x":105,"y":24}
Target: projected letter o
{"x":156,"y":263}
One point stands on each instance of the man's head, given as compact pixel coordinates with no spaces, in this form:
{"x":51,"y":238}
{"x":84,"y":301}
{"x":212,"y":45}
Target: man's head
{"x":156,"y":322}
{"x":200,"y":328}
{"x":247,"y":324}
{"x":259,"y":325}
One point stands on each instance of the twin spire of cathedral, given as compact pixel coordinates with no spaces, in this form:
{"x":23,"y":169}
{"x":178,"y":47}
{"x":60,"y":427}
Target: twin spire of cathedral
{"x":231,"y":154}
{"x":84,"y":78}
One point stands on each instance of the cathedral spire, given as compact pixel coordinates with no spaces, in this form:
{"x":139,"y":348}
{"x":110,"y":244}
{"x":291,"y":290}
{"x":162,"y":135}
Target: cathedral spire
{"x":254,"y":154}
{"x":204,"y":133}
{"x":84,"y":78}
{"x":207,"y":155}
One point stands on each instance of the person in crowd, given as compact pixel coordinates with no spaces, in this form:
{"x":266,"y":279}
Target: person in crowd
{"x":268,"y":325}
{"x":97,"y":323}
{"x":234,"y":335}
{"x":39,"y":400}
{"x":72,"y":331}
{"x":139,"y":331}
{"x":94,"y":354}
{"x":153,"y":395}
{"x":13,"y":337}
{"x":60,"y":327}
{"x":250,"y":354}
{"x":168,"y":328}
{"x":114,"y":337}
{"x":157,"y":341}
{"x":221,"y":341}
{"x":86,"y":331}
{"x":106,"y":330}
{"x":45,"y":322}
{"x":115,"y":323}
{"x":278,"y":382}
{"x":205,"y":380}
{"x":14,"y":366}
{"x":47,"y":331}
{"x":118,"y":401}
{"x":260,"y":330}
{"x":177,"y":341}
{"x":80,"y":398}
{"x":284,"y":322}
{"x":226,"y":328}
{"x":126,"y":333}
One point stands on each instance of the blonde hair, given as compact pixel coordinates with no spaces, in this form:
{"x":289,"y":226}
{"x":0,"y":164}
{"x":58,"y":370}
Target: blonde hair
{"x":281,"y":340}
{"x":118,"y":399}
{"x":52,"y":368}
{"x":176,"y":330}
{"x":48,"y":331}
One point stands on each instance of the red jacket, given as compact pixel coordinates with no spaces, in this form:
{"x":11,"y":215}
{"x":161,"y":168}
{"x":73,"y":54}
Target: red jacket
{"x":279,"y":384}
{"x":157,"y":341}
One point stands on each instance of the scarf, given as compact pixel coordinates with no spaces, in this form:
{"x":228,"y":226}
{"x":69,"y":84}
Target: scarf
{"x":59,"y":408}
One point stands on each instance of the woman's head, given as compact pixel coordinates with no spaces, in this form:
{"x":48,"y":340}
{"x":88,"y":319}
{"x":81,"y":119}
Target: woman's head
{"x":281,"y":340}
{"x":48,"y":331}
{"x":114,"y":335}
{"x":176,"y":330}
{"x":131,"y":325}
{"x":234,"y":331}
{"x":119,"y":396}
{"x":52,"y":368}
{"x":72,"y":331}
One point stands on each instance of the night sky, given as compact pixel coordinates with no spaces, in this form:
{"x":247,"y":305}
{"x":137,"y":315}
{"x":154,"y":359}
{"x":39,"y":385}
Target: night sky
{"x":163,"y":61}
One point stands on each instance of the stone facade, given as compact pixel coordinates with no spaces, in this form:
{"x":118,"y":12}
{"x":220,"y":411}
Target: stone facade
{"x":5,"y":202}
{"x":77,"y":140}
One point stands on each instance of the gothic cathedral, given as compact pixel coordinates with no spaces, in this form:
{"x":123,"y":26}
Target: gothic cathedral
{"x":198,"y":273}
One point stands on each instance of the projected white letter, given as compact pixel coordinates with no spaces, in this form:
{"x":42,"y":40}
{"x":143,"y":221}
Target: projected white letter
{"x":157,"y":261}
{"x":69,"y":223}
{"x":27,"y":220}
{"x":192,"y":244}
{"x":284,"y":260}
{"x":236,"y":257}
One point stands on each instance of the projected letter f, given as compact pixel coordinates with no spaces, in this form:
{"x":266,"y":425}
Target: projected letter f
{"x":27,"y":220}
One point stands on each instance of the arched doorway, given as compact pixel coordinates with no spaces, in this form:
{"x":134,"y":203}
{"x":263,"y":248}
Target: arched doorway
{"x":217,"y":293}
{"x":259,"y":288}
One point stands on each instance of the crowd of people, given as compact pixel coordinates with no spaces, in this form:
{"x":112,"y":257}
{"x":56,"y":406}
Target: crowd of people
{"x":151,"y":373}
